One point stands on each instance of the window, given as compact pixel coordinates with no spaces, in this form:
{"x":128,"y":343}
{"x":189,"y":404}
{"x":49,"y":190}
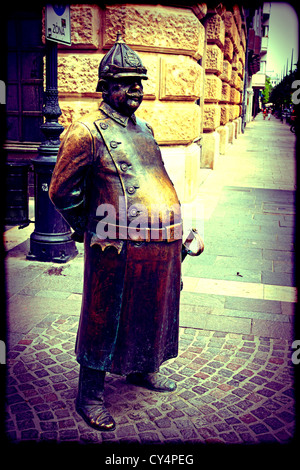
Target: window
{"x":24,"y":101}
{"x":263,"y":66}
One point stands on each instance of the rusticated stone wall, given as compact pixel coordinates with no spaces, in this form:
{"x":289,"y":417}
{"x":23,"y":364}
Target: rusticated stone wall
{"x":224,"y":72}
{"x":170,"y":42}
{"x":195,"y":60}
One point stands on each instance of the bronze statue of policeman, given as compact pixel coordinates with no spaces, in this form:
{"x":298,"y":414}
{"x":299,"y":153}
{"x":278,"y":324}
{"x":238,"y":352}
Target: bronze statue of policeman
{"x":111,"y":186}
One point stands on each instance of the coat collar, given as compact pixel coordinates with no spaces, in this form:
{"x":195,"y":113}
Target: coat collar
{"x":112,"y":113}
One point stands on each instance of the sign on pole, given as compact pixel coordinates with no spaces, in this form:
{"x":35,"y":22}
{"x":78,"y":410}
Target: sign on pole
{"x":58,"y":26}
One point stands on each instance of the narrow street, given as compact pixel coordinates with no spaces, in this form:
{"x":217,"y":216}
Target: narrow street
{"x":234,"y":371}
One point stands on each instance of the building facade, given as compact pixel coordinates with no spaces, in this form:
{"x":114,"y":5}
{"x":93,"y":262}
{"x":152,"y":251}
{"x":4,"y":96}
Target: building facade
{"x":194,"y":99}
{"x":195,"y":58}
{"x":258,"y":32}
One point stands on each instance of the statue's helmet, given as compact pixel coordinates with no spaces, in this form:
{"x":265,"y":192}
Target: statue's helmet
{"x":120,"y":61}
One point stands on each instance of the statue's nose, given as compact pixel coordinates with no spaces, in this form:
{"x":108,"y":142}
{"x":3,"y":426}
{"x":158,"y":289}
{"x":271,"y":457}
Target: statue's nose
{"x":137,"y":86}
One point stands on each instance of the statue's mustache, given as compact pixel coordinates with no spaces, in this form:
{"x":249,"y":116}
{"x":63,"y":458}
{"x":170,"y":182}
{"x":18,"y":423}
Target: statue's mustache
{"x":136,"y":94}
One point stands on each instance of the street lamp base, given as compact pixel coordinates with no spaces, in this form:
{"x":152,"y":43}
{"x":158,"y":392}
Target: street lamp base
{"x":57,"y":252}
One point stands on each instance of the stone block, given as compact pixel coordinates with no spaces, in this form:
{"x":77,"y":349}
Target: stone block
{"x":235,"y":61}
{"x":237,"y":123}
{"x":227,"y":70}
{"x":230,"y":127}
{"x":214,"y":59}
{"x":238,"y":62}
{"x":212,"y":89}
{"x":223,"y":132}
{"x":235,"y":96}
{"x":192,"y":171}
{"x":243,"y":39}
{"x":235,"y":129}
{"x":237,"y":17}
{"x":228,"y":49}
{"x":174,"y":159}
{"x":232,"y":111}
{"x":210,"y":149}
{"x":212,"y":116}
{"x":237,"y":111}
{"x":229,"y":22}
{"x":180,"y":78}
{"x":226,"y":89}
{"x":240,"y":69}
{"x":150,"y":27}
{"x":224,"y":114}
{"x":151,"y":62}
{"x":242,"y":57}
{"x":78,"y":73}
{"x":235,"y":80}
{"x":200,"y":10}
{"x":86,"y":23}
{"x":215,"y":30}
{"x":272,"y":329}
{"x":173,"y":122}
{"x":201,"y":42}
{"x":238,"y":97}
{"x":239,"y":85}
{"x":73,"y":110}
{"x":183,"y":166}
{"x":231,"y":30}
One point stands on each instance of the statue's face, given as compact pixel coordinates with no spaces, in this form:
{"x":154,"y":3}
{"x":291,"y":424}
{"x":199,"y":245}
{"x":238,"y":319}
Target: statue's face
{"x":123,"y":94}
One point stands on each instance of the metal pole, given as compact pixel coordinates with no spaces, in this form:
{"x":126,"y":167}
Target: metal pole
{"x":51,"y":239}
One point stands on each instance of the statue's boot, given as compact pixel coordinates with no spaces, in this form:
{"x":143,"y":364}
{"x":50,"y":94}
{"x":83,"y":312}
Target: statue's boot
{"x":90,"y":401}
{"x":153,"y":381}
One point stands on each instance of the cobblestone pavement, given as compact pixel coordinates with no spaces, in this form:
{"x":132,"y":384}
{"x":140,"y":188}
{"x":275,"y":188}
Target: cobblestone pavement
{"x":234,"y":370}
{"x":231,"y":389}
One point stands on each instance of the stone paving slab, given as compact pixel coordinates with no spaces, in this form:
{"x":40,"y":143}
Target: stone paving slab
{"x":231,"y":388}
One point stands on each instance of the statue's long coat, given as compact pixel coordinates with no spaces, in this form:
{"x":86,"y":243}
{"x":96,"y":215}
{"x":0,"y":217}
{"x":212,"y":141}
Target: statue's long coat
{"x":130,"y":306}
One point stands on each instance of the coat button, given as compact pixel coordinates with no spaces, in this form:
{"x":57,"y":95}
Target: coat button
{"x":103,"y":125}
{"x":130,"y":189}
{"x":133,"y":212}
{"x":124,"y":167}
{"x":114,"y":144}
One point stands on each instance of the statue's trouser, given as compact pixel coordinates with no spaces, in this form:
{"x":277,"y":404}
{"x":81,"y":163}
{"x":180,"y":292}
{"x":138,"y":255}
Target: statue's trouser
{"x":90,"y":401}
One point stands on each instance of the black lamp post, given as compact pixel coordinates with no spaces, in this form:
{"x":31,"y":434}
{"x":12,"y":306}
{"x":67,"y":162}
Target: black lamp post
{"x":51,"y":239}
